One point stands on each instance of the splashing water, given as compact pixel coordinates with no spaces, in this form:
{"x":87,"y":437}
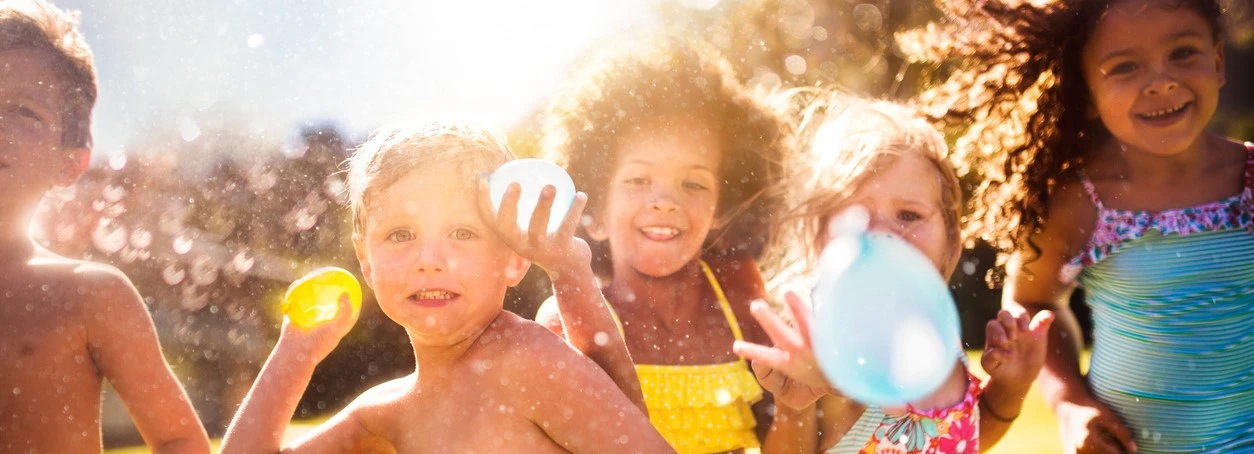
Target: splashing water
{"x":243,"y":261}
{"x":108,"y":236}
{"x":182,"y":244}
{"x":203,"y":271}
{"x":173,"y":274}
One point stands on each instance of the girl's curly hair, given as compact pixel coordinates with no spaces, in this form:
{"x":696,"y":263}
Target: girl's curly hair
{"x":1018,"y":98}
{"x":624,"y":89}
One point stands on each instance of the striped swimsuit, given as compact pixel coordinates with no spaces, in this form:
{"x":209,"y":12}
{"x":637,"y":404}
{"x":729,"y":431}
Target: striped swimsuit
{"x":1172,"y":296}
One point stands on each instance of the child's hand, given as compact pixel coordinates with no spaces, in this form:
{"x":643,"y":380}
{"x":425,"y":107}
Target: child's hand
{"x":558,"y":254}
{"x":318,"y":341}
{"x":1090,"y":427}
{"x":788,"y":370}
{"x":1014,"y":347}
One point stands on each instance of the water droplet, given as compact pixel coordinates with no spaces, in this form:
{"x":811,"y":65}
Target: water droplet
{"x":17,"y":391}
{"x":108,"y":236}
{"x":243,"y":261}
{"x":304,"y":220}
{"x":867,"y":17}
{"x":113,"y":193}
{"x":255,"y":40}
{"x":795,"y":64}
{"x":723,"y":397}
{"x":182,"y":244}
{"x":30,"y":307}
{"x":203,"y":271}
{"x":601,"y":338}
{"x":117,"y":161}
{"x":141,"y":238}
{"x":172,"y":274}
{"x":193,"y":301}
{"x":861,"y":361}
{"x":968,"y":267}
{"x":188,"y":129}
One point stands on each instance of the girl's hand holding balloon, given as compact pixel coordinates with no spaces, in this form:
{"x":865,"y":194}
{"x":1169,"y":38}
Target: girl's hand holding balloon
{"x":533,"y":207}
{"x":788,"y":370}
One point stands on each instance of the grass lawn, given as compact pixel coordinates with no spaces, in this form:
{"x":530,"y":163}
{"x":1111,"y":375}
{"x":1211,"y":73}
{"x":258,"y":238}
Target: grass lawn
{"x":1035,"y":432}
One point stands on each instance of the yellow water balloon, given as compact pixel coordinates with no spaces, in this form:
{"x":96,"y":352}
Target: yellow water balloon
{"x":314,"y":298}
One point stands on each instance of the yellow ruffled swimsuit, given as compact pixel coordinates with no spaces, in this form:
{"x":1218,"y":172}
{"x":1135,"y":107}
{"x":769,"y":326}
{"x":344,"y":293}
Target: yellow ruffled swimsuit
{"x":703,"y":408}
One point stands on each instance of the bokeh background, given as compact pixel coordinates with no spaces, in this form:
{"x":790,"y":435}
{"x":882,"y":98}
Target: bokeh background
{"x":221,"y":125}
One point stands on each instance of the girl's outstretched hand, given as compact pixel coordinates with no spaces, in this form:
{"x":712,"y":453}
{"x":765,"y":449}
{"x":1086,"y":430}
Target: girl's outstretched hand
{"x":1014,"y":347}
{"x":788,"y":370}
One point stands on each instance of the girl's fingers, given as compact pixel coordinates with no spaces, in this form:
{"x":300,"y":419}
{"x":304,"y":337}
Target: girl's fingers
{"x":781,"y":334}
{"x":800,"y":313}
{"x":773,"y":358}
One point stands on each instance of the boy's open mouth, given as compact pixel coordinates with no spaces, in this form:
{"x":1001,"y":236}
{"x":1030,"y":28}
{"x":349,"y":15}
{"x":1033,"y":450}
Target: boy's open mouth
{"x":660,"y":233}
{"x":1165,"y":116}
{"x":433,"y":298}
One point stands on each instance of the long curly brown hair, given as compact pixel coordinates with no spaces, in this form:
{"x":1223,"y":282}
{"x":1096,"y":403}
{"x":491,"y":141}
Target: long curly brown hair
{"x":1017,"y":98}
{"x":668,"y":75}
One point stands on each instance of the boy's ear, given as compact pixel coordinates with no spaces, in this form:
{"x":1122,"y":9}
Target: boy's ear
{"x":360,"y":248}
{"x":75,"y":163}
{"x":1219,"y":62}
{"x":516,"y":269}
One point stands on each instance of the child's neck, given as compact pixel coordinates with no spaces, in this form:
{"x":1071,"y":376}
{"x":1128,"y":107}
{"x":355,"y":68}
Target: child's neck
{"x":432,"y":363}
{"x":678,"y":296}
{"x":1150,"y":168}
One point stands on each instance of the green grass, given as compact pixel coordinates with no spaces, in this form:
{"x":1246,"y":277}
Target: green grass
{"x":1035,"y":432}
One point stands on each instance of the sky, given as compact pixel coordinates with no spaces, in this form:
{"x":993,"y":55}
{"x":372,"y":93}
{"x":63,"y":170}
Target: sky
{"x":358,"y":63}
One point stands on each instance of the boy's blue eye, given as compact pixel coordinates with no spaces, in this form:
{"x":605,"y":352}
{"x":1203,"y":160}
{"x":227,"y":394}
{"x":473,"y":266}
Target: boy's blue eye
{"x":693,"y":185}
{"x":908,"y":216}
{"x":637,"y":181}
{"x":400,"y":236}
{"x":463,"y":234}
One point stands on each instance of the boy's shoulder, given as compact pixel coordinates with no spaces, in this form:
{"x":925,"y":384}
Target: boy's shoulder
{"x":82,"y":280}
{"x":519,"y":345}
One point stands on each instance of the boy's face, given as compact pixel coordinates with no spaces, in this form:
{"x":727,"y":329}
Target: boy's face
{"x":662,"y":198}
{"x":435,"y":266}
{"x":32,"y":158}
{"x":904,"y":198}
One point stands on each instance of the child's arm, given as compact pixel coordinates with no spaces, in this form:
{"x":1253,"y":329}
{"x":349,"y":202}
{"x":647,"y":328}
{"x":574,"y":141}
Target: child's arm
{"x":792,"y":430}
{"x":259,"y":424}
{"x":1035,"y":285}
{"x":582,"y":311}
{"x":124,"y":347}
{"x":1014,"y":351}
{"x":578,"y":406}
{"x":789,"y":372}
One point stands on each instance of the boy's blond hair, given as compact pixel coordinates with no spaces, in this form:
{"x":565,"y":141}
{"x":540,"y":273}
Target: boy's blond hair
{"x":845,"y":140}
{"x":39,"y":26}
{"x":392,"y":153}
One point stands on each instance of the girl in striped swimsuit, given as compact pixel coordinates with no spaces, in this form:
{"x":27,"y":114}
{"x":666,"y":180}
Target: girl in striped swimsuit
{"x":1099,"y":108}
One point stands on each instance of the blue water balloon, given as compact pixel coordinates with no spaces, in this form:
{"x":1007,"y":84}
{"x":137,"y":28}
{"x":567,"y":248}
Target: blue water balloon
{"x":885,"y":326}
{"x":532,"y":175}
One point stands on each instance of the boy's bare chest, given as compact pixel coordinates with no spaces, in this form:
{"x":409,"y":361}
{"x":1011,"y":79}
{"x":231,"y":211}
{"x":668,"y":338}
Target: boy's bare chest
{"x":48,"y":380}
{"x":469,"y":419}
